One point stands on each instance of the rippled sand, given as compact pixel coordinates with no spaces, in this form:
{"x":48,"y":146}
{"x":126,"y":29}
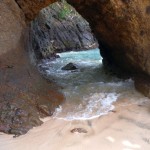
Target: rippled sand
{"x":126,"y":128}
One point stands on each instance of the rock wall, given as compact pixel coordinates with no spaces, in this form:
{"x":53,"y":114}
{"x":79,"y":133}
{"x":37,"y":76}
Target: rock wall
{"x":123,"y":30}
{"x":60,"y":28}
{"x":31,"y":8}
{"x":11,"y":25}
{"x":24,"y":94}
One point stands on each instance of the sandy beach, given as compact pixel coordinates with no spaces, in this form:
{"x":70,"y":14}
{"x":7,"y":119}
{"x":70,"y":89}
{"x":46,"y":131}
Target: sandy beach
{"x":127,"y":127}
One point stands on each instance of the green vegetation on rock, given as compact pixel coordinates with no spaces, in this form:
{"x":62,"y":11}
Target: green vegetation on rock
{"x":65,"y":10}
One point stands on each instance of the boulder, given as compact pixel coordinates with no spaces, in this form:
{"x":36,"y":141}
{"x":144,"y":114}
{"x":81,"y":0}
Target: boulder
{"x":69,"y":66}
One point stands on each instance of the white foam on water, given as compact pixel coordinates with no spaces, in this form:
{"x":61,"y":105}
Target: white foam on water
{"x":91,"y":107}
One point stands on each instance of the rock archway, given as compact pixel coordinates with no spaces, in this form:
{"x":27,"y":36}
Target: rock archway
{"x":121,"y":26}
{"x":123,"y":30}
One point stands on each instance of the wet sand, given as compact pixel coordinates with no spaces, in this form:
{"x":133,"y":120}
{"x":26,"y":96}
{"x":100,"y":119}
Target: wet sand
{"x":125,"y":128}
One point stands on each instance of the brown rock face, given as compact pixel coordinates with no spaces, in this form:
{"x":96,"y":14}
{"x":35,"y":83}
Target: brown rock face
{"x":123,"y":30}
{"x":32,"y":7}
{"x":24,"y":94}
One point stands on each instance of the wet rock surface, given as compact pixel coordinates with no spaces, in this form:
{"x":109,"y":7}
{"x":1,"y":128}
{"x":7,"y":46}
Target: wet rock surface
{"x":60,"y":28}
{"x":69,"y":66}
{"x":15,"y":120}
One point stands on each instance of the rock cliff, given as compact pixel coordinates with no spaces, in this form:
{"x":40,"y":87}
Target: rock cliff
{"x":60,"y":28}
{"x":24,"y":94}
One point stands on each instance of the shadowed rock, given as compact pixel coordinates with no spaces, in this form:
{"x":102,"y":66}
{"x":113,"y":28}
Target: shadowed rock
{"x":122,"y":28}
{"x":32,"y":7}
{"x":69,"y":66}
{"x":24,"y":95}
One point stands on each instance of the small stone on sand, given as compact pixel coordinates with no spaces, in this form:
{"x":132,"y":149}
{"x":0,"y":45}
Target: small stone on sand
{"x":78,"y":130}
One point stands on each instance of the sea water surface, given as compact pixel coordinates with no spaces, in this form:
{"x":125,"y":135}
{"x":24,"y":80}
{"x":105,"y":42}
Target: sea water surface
{"x":90,"y":91}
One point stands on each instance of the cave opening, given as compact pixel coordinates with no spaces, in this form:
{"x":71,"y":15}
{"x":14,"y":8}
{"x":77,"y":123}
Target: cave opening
{"x":69,"y":55}
{"x":90,"y":91}
{"x":60,"y":28}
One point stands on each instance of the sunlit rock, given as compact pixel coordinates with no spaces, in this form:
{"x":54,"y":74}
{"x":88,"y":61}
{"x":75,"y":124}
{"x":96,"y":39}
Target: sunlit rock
{"x":59,"y":28}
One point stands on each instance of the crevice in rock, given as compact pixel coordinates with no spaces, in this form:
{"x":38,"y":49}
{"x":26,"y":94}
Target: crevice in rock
{"x":18,"y":4}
